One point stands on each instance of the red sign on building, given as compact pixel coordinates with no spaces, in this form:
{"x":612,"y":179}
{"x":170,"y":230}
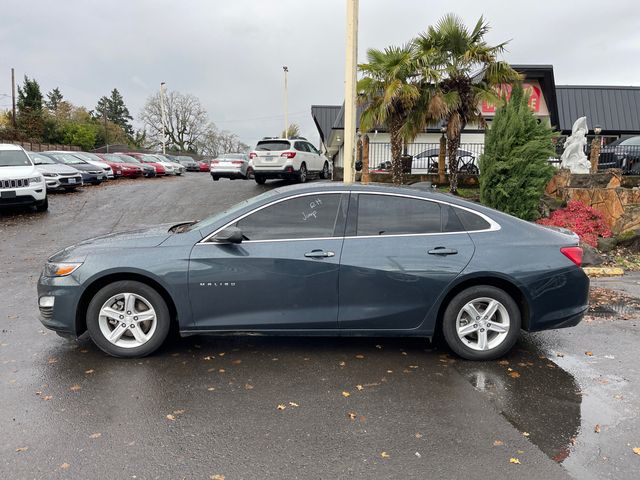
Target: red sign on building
{"x":504,"y":91}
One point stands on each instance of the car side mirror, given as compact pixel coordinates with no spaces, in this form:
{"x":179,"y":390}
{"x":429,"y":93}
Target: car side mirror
{"x":228,"y":235}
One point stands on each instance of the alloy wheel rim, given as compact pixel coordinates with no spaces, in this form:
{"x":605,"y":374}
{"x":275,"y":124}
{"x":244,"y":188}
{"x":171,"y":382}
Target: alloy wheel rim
{"x":483,"y":324}
{"x":127,"y":320}
{"x":325,"y":171}
{"x":303,"y":173}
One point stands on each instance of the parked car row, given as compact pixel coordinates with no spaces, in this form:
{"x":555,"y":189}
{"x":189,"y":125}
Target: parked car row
{"x":25,"y":177}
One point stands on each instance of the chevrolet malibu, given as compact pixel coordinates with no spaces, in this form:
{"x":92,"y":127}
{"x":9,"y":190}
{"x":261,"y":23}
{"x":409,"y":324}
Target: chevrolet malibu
{"x":322,"y":260}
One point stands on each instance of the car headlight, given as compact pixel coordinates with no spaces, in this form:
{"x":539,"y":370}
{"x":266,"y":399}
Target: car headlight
{"x":60,"y":269}
{"x":35,"y":180}
{"x":50,"y":174}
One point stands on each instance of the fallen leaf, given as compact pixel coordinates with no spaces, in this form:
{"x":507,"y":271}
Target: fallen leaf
{"x":352,"y":415}
{"x":294,"y":404}
{"x":171,"y":417}
{"x":413,"y":366}
{"x":65,"y":466}
{"x":346,"y":394}
{"x":514,"y":375}
{"x":636,"y":450}
{"x":503,"y":362}
{"x":360,"y":356}
{"x":236,"y":362}
{"x":389,"y":371}
{"x":385,"y":455}
{"x":342,"y":364}
{"x":359,"y":387}
{"x":178,"y":412}
{"x":52,"y":360}
{"x":216,"y":477}
{"x":208,"y":357}
{"x":526,"y":434}
{"x":404,"y":353}
{"x":22,"y":449}
{"x":281,"y":407}
{"x":46,"y":398}
{"x":498,"y":443}
{"x":211,"y":389}
{"x":95,"y":435}
{"x":514,"y":460}
{"x":379,"y":347}
{"x":90,"y":371}
{"x":589,"y":354}
{"x":75,"y":388}
{"x":221,"y":354}
{"x":248,"y":386}
{"x":596,"y":429}
{"x":222,"y":370}
{"x":419,"y":435}
{"x":84,"y":350}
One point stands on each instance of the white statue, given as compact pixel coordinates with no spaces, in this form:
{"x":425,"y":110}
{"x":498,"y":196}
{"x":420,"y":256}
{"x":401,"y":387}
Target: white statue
{"x":573,"y":156}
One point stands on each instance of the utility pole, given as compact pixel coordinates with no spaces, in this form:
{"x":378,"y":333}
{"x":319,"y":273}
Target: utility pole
{"x":13,"y":98}
{"x":351,"y":59}
{"x":106,"y":132}
{"x":164,"y":119}
{"x":286,"y":101}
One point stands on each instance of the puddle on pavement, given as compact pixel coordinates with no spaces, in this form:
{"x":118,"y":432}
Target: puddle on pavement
{"x":604,"y":302}
{"x":535,"y":395}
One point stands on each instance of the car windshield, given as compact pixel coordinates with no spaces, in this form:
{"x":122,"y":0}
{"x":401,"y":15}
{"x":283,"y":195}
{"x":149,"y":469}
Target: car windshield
{"x":14,"y":158}
{"x":87,"y":156}
{"x":128,"y":158}
{"x":113,"y":158}
{"x":631,"y":141}
{"x":273,"y":145}
{"x":39,"y":159}
{"x":68,"y":159}
{"x":149,"y":159}
{"x":207,"y":222}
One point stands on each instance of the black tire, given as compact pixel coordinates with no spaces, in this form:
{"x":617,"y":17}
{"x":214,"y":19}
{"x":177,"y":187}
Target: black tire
{"x":324,"y":174}
{"x":163,"y":318}
{"x":455,"y":306}
{"x":260,"y":180}
{"x":301,"y":176}
{"x":215,"y":179}
{"x":43,"y":206}
{"x":249,"y":174}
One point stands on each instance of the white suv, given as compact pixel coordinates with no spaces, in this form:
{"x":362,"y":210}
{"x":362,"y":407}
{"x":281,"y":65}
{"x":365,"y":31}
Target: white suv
{"x":20,"y":182}
{"x":288,"y":158}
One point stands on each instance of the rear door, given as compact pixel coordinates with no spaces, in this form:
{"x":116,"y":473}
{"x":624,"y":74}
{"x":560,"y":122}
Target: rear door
{"x":318,"y":161}
{"x":400,"y":252}
{"x":283,"y":276}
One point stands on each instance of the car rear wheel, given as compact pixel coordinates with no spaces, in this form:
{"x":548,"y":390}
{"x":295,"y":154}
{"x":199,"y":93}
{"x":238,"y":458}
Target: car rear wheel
{"x":128,"y":319}
{"x":324,"y":174}
{"x":260,"y":180}
{"x":481,"y":323}
{"x":215,"y":179}
{"x":302,"y":174}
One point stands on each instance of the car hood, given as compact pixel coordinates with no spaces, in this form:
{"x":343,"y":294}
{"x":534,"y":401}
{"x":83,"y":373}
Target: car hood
{"x":56,"y":168}
{"x":22,"y":171}
{"x":140,"y":238}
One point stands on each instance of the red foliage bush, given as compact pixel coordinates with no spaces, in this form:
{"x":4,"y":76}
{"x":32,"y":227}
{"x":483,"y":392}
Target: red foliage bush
{"x":586,"y":222}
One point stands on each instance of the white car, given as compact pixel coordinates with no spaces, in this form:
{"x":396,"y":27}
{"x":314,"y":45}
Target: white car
{"x":172,"y":168}
{"x":92,"y":159}
{"x":288,"y":158}
{"x":20,"y":182}
{"x":57,"y":176}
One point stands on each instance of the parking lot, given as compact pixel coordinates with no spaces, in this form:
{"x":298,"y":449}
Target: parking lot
{"x":564,"y":404}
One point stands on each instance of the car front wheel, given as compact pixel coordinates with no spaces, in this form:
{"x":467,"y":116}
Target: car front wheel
{"x":325,"y":171}
{"x":128,"y":319}
{"x":481,"y":323}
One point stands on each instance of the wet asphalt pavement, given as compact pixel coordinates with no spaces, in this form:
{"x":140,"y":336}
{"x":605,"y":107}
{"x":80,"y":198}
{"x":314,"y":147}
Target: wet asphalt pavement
{"x":565,"y":404}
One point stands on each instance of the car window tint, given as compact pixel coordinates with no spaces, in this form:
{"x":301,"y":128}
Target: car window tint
{"x":450,"y":221}
{"x":273,"y":145}
{"x":310,"y":216}
{"x":312,"y":149}
{"x":471,"y":221}
{"x":631,"y":141}
{"x":390,"y":215}
{"x":300,"y":146}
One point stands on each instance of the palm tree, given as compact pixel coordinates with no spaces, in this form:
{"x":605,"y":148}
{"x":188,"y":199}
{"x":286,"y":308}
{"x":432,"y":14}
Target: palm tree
{"x":390,"y":91}
{"x":292,"y":131}
{"x":469,"y":71}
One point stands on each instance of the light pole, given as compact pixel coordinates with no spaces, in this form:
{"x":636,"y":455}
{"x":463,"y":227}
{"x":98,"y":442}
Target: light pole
{"x":350,"y":67}
{"x":164,"y":119}
{"x":286,"y":101}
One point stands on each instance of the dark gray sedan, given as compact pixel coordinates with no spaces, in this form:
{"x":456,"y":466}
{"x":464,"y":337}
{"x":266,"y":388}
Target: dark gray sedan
{"x":328,"y":259}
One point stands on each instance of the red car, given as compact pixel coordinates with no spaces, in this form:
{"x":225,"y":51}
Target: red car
{"x":149,"y":160}
{"x":204,"y":166}
{"x":120,"y":167}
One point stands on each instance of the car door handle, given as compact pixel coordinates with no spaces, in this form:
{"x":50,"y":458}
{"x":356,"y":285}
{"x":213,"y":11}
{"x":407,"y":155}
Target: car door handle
{"x":443,"y":251}
{"x":319,"y":254}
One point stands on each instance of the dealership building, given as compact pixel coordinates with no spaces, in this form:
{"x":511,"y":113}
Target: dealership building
{"x":615,"y":109}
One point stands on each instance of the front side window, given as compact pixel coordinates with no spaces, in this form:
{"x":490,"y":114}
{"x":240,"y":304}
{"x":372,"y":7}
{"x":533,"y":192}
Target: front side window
{"x":309,"y":216}
{"x":313,"y":149}
{"x":391,"y":215}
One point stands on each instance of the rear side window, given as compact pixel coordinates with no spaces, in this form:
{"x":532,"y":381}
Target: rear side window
{"x":471,"y":221}
{"x":300,"y":146}
{"x":273,"y":145}
{"x":309,"y":216}
{"x":390,"y":215}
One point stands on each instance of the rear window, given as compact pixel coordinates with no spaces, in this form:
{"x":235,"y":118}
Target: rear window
{"x":471,"y":221}
{"x":273,"y":145}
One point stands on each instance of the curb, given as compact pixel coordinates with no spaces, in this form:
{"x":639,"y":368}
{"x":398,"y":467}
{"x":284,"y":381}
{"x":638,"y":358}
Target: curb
{"x":603,"y":271}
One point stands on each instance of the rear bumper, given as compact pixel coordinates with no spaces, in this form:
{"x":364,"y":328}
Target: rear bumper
{"x":228,"y":173}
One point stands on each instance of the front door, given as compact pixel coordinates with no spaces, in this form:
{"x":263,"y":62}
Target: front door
{"x":399,"y":254}
{"x":283,"y":276}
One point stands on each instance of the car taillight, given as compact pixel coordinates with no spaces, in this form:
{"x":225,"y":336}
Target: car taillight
{"x":288,"y":154}
{"x":573,"y":253}
{"x":237,"y":162}
{"x":253,"y":155}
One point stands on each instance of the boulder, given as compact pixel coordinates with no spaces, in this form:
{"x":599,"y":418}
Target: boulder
{"x":590,"y":256}
{"x":605,"y":245}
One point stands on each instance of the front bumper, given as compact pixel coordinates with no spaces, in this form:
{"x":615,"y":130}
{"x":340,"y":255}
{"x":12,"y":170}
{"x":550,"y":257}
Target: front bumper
{"x":58,"y":302}
{"x":63,"y":182}
{"x":23,"y":196}
{"x":94,"y":178}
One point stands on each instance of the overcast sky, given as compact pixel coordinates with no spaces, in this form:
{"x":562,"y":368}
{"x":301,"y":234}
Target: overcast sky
{"x":230,"y":53}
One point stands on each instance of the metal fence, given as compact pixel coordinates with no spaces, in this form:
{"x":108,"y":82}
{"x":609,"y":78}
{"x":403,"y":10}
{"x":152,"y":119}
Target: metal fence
{"x":625,"y":157}
{"x":424,"y":157}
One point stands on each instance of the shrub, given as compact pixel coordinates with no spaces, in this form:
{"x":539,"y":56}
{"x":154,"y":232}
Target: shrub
{"x":586,"y":222}
{"x":514,"y":170}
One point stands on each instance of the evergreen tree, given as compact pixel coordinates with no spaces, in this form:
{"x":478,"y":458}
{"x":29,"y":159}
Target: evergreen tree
{"x":30,"y":119}
{"x":115,"y":110}
{"x":54,"y":98}
{"x":513,"y":169}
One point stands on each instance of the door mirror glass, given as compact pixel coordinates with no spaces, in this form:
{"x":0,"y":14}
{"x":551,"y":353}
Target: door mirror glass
{"x":228,"y":235}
